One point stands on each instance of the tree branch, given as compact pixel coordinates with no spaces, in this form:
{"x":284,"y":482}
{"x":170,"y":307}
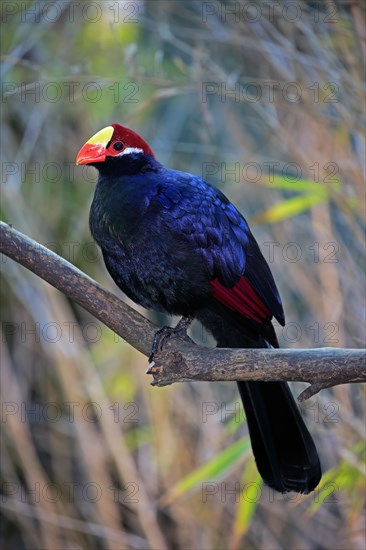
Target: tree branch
{"x":181,"y":359}
{"x":322,"y":367}
{"x":105,"y":306}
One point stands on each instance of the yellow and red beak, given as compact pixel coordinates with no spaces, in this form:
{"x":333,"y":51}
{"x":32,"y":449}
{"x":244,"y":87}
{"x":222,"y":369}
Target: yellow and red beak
{"x":95,"y":149}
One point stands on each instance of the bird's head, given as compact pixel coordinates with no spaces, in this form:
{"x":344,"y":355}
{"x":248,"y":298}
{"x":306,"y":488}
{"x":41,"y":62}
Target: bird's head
{"x":112,"y":144}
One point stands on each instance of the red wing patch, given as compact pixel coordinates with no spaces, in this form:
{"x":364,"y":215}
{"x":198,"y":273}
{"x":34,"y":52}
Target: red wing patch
{"x":243,"y":299}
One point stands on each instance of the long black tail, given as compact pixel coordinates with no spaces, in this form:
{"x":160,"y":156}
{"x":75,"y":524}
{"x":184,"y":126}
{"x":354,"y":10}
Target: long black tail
{"x":283,"y":448}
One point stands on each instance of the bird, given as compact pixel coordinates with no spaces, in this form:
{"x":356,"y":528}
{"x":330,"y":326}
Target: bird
{"x":174,"y":243}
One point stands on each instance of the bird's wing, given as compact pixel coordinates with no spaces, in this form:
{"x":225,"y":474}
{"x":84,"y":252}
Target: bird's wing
{"x":240,"y":276}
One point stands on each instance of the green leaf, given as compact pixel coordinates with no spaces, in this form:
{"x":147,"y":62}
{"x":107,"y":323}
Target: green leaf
{"x":249,"y":497}
{"x":215,"y":468}
{"x":345,"y":477}
{"x":288,"y":208}
{"x":300,"y":184}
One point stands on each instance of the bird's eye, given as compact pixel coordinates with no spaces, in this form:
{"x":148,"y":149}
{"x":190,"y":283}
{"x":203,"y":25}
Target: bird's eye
{"x":118,"y":146}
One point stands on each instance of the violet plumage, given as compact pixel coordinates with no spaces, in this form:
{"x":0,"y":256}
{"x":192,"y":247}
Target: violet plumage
{"x":173,"y":242}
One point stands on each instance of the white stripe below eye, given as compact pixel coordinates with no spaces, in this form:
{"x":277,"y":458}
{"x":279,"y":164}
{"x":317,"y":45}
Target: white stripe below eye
{"x":129,"y":150}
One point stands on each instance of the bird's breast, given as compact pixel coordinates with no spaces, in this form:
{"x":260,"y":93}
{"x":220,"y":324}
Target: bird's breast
{"x":154,"y":269}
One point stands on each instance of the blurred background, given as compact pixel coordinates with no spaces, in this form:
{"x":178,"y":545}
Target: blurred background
{"x":266,"y":101}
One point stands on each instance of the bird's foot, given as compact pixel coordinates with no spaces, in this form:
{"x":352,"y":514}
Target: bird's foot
{"x":165,"y":333}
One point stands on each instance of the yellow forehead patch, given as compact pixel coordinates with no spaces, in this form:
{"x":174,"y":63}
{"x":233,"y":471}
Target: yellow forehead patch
{"x":102,"y":137}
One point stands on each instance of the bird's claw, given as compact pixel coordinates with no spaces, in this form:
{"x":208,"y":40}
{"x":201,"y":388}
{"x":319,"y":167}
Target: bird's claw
{"x":160,"y":337}
{"x":165,"y":333}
